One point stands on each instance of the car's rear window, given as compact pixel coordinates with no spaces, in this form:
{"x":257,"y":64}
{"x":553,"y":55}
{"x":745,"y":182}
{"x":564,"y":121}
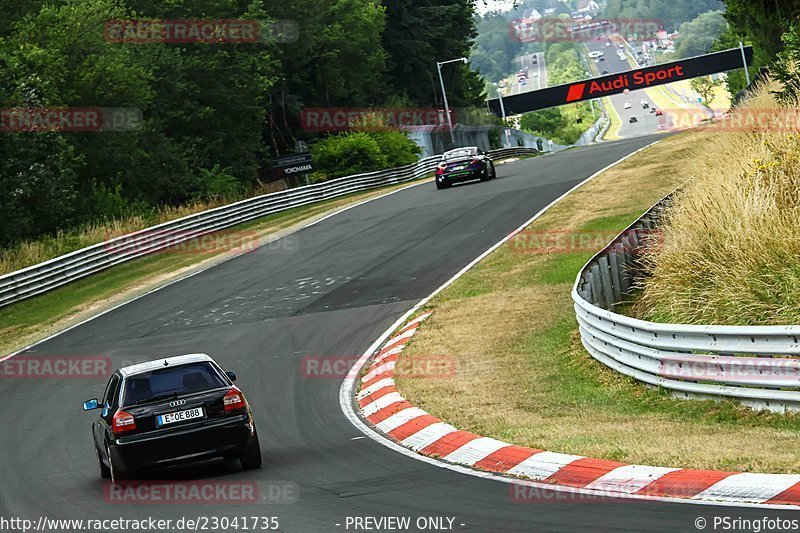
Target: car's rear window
{"x":458,"y":154}
{"x":183,"y":379}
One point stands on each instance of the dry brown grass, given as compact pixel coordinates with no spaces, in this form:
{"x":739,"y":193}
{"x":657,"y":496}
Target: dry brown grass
{"x":523,"y":376}
{"x":731,"y":251}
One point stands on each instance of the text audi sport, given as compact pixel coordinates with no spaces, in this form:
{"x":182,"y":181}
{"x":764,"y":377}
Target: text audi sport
{"x":463,"y":164}
{"x":176,"y":410}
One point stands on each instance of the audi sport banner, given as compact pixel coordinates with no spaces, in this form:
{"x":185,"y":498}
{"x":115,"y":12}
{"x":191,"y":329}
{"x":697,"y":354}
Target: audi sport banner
{"x":616,"y":83}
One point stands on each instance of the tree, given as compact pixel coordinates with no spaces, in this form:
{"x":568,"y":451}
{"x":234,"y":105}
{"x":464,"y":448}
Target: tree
{"x":419,"y":33}
{"x":698,"y":36}
{"x":672,"y":13}
{"x":705,"y":86}
{"x":763,"y":21}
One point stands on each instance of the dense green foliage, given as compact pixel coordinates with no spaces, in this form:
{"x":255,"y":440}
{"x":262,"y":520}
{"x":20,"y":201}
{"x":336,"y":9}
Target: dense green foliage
{"x":671,"y":13}
{"x":699,"y":35}
{"x":355,"y":152}
{"x":771,"y":27}
{"x":763,"y":21}
{"x":213,"y":114}
{"x":563,"y":125}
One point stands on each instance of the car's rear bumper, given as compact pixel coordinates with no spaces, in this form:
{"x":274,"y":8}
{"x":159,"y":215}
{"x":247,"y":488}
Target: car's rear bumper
{"x":214,"y":438}
{"x":465,"y":175}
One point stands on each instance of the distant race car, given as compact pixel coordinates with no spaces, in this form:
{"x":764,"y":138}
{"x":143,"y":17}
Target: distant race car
{"x":659,"y":113}
{"x":628,"y":105}
{"x":645,"y":104}
{"x":176,"y":410}
{"x":602,"y":59}
{"x":632,"y":120}
{"x":605,"y":71}
{"x":464,"y":164}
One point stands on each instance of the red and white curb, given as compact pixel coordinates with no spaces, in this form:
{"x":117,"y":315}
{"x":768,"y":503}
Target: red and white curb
{"x":411,"y":427}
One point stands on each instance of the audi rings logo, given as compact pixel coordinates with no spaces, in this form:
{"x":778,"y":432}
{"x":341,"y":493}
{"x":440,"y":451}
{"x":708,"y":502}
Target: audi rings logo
{"x":177,"y":403}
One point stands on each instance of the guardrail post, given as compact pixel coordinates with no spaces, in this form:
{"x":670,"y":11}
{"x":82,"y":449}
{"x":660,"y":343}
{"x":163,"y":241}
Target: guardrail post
{"x":597,"y":288}
{"x":605,"y":279}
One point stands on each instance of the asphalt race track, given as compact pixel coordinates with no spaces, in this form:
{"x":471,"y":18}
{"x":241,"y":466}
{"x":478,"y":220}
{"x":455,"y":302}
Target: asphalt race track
{"x":329,"y":290}
{"x":647,"y":122}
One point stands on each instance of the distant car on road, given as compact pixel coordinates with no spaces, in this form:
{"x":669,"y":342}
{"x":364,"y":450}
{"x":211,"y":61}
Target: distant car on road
{"x":628,"y":105}
{"x":633,"y":120}
{"x":464,"y":164}
{"x":659,"y":113}
{"x":595,"y":54}
{"x":605,"y":71}
{"x":176,"y":410}
{"x":645,"y":104}
{"x":602,"y":59}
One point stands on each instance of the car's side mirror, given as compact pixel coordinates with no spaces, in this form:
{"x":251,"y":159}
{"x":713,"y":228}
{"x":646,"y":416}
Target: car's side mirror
{"x":91,"y":405}
{"x":231,"y":375}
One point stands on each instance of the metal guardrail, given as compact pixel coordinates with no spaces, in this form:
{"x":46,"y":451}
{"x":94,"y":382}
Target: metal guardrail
{"x":43,"y":277}
{"x":750,"y":364}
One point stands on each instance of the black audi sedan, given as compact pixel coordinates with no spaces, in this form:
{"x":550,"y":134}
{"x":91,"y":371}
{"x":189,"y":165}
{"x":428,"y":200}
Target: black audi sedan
{"x":169,"y":411}
{"x":464,"y":164}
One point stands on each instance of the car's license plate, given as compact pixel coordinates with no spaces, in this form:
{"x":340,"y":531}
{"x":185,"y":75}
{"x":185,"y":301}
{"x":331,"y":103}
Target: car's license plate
{"x":180,"y":416}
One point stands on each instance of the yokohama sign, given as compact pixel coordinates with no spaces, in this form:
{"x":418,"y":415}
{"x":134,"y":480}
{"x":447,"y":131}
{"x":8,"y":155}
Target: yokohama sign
{"x":616,"y":83}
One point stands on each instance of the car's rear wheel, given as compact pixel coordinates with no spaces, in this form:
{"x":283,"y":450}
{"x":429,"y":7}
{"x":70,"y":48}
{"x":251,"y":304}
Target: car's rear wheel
{"x":489,"y":172}
{"x":251,"y":458}
{"x":441,"y":185}
{"x":105,"y":471}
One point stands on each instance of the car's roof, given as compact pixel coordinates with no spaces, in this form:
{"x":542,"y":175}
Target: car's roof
{"x":161,"y":363}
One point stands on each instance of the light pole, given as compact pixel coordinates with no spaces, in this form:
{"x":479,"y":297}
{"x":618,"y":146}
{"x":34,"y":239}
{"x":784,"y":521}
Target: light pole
{"x":744,"y":60}
{"x":500,"y":88}
{"x":444,"y":94}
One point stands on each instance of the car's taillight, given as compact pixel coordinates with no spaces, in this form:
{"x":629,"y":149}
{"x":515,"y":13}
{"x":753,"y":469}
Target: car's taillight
{"x":123,"y":423}
{"x":234,"y":400}
{"x":440,"y":169}
{"x":475,"y":160}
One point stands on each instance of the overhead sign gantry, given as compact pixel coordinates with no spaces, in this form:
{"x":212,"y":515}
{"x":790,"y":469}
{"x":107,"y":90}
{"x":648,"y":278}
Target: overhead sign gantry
{"x":632,"y":80}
